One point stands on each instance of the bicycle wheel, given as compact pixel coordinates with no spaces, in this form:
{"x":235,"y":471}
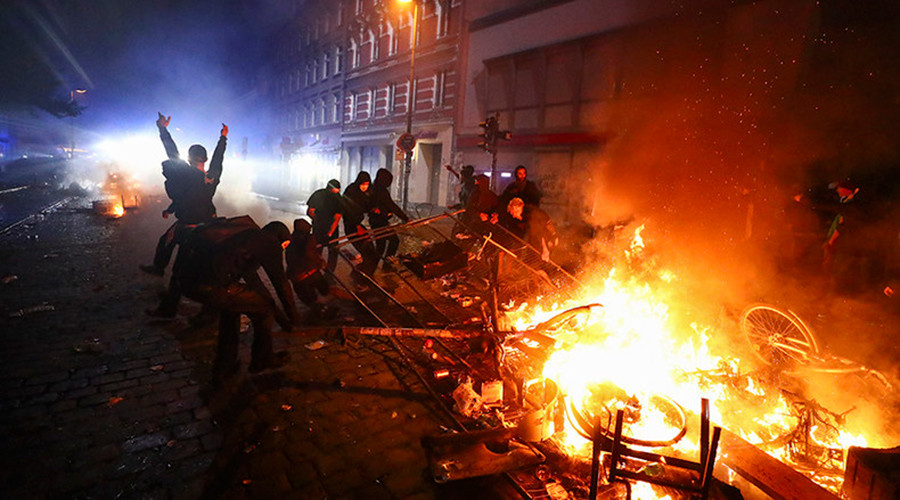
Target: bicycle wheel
{"x":652,"y":421}
{"x":777,"y":337}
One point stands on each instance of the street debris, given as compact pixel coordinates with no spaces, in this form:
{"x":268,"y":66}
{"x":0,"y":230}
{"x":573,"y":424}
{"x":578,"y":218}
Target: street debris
{"x":114,"y":401}
{"x":8,"y":278}
{"x":315,"y":346}
{"x":157,"y":368}
{"x":286,"y":407}
{"x":31,"y":310}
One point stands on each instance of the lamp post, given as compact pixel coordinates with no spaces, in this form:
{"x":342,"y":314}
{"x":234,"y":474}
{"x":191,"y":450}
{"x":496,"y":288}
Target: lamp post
{"x":407,"y":161}
{"x":72,"y":121}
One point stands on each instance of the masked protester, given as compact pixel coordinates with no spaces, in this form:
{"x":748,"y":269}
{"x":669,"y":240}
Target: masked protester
{"x":357,"y":203}
{"x":218,"y":266}
{"x":325,"y":209}
{"x":383,"y":207}
{"x":190,"y":188}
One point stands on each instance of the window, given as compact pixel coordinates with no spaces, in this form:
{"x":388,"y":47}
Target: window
{"x":438,"y":92}
{"x":307,"y":76}
{"x":441,"y":11}
{"x":373,"y":39}
{"x":391,"y":95}
{"x":326,"y":60}
{"x":338,"y":59}
{"x":352,"y":100}
{"x":336,"y":107}
{"x":393,"y":39}
{"x":359,"y":7}
{"x":323,"y":112}
{"x":354,"y":54}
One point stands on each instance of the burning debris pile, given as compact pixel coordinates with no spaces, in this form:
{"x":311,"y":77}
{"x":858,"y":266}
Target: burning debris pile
{"x":119,"y":192}
{"x":606,"y":388}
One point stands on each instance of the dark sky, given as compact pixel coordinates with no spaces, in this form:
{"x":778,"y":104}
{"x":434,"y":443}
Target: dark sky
{"x":192,"y":59}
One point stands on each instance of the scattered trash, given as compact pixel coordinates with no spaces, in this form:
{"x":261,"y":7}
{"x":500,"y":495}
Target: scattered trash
{"x":286,"y":407}
{"x":114,"y":401}
{"x":170,"y":443}
{"x":340,"y":383}
{"x":492,"y":393}
{"x":315,"y":346}
{"x":393,"y":414}
{"x":556,"y":491}
{"x":157,"y":368}
{"x":467,"y":401}
{"x":30,"y":310}
{"x":245,"y":482}
{"x":51,"y":255}
{"x":277,"y":428}
{"x":9,"y":278}
{"x":250,"y":448}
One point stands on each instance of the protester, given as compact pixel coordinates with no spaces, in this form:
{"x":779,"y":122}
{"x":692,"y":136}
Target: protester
{"x":217,"y":265}
{"x":383,"y":207}
{"x":325,"y":209}
{"x":466,"y":178}
{"x":304,"y":268}
{"x":358,"y":202}
{"x":534,"y":225}
{"x":481,"y":210}
{"x":522,"y":188}
{"x":191,"y":189}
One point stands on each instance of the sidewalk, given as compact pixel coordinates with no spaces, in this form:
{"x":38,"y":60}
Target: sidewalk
{"x":100,"y":402}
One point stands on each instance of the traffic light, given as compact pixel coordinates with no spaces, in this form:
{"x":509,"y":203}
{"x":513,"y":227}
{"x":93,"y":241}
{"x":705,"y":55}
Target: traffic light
{"x":488,"y":135}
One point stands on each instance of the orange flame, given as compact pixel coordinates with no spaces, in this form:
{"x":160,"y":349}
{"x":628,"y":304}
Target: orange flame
{"x":635,"y":345}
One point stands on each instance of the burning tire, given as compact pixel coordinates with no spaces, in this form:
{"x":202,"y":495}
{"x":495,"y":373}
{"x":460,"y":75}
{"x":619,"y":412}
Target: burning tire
{"x":776,"y":336}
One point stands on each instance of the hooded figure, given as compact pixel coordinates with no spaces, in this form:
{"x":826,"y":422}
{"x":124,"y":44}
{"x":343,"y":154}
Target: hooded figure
{"x":357,"y":203}
{"x":383,"y":207}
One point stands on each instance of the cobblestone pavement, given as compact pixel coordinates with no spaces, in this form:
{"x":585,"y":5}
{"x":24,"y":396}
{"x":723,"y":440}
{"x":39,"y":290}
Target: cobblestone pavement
{"x":100,"y":402}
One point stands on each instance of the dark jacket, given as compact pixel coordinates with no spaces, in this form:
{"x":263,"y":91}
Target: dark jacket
{"x":383,"y":205}
{"x":325,"y":205}
{"x":302,"y":257}
{"x":191,"y":190}
{"x":482,"y":201}
{"x":215,"y":258}
{"x":527,"y":191}
{"x":356,"y":202}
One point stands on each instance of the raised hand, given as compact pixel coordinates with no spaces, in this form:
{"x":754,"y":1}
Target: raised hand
{"x":163,"y":121}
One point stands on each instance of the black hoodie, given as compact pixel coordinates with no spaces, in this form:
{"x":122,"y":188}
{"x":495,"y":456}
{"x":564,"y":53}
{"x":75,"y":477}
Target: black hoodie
{"x":383,"y":205}
{"x":357,"y":202}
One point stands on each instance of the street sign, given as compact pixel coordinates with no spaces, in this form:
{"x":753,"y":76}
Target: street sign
{"x":406,"y":142}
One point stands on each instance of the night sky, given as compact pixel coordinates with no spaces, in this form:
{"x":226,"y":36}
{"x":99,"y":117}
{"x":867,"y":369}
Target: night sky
{"x":192,"y":59}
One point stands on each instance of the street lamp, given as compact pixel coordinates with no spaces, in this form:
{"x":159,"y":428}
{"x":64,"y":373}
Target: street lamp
{"x":72,"y":121}
{"x":407,"y":162}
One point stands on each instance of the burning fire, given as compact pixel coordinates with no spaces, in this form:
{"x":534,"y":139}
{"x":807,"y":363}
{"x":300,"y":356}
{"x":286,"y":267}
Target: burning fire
{"x":631,"y":347}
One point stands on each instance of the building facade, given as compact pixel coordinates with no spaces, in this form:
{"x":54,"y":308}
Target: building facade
{"x":345,"y":93}
{"x":568,"y":78}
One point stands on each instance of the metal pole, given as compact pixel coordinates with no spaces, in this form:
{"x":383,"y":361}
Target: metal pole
{"x":407,"y":162}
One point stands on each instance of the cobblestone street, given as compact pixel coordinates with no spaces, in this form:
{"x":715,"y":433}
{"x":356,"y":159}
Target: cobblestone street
{"x":99,"y":401}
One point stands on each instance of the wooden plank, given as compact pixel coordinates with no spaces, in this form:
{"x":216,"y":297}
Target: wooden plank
{"x":774,"y":478}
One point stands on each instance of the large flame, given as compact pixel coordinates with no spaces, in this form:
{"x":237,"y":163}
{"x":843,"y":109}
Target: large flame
{"x":634,"y":345}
